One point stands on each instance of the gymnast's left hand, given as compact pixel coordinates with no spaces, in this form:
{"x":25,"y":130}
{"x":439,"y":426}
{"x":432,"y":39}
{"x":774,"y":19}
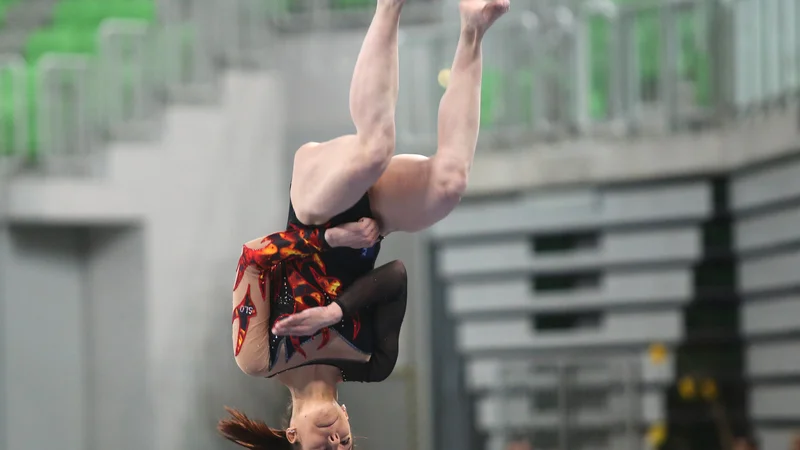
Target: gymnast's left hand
{"x":308,"y":322}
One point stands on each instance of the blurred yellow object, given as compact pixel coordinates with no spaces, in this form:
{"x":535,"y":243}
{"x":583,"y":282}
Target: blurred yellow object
{"x":687,"y":388}
{"x":708,"y":389}
{"x":656,"y":434}
{"x":658,"y":353}
{"x":444,"y":77}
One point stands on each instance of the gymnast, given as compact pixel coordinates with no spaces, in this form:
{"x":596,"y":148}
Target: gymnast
{"x":309,"y":306}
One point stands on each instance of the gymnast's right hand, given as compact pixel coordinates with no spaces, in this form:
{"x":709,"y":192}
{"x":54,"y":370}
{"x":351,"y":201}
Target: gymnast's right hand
{"x":362,"y":234}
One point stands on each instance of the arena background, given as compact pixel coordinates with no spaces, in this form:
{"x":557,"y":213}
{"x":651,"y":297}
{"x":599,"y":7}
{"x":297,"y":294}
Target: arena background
{"x":622,"y":275}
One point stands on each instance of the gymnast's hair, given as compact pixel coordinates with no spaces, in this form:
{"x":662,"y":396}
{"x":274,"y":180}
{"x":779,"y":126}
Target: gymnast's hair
{"x":253,"y":434}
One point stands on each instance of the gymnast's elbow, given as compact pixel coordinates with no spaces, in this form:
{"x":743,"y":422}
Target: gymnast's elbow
{"x":252,"y":367}
{"x":381,"y":373}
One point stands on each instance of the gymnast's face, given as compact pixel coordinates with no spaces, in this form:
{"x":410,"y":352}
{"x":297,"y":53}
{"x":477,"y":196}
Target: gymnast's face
{"x":321,"y":426}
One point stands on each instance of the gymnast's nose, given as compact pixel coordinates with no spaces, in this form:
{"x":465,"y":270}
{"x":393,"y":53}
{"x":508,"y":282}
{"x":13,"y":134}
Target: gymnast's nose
{"x":334,"y":438}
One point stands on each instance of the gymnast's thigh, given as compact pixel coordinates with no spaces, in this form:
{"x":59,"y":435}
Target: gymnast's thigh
{"x":250,"y":321}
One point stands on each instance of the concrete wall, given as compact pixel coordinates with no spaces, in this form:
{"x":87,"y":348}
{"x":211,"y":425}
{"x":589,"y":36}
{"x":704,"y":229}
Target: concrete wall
{"x":613,"y":264}
{"x":207,"y":186}
{"x":74,"y":354}
{"x":767,"y":236}
{"x":45,"y":334}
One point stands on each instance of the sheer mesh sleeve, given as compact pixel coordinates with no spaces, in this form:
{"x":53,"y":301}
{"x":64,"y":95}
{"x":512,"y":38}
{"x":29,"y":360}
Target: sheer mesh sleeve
{"x":385,"y":289}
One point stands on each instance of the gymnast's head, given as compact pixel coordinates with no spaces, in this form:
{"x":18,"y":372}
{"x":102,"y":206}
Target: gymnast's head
{"x":311,"y":426}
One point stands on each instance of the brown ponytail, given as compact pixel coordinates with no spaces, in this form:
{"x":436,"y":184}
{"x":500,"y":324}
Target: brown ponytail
{"x":252,"y":434}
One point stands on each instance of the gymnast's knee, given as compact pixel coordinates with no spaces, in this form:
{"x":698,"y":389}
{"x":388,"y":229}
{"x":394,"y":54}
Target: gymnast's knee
{"x":375,"y":150}
{"x":450,"y":177}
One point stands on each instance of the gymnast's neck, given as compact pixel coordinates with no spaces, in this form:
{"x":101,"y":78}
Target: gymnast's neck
{"x":312,"y":383}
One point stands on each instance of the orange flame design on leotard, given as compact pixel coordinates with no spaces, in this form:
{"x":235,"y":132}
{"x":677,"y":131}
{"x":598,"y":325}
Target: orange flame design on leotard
{"x":295,"y":252}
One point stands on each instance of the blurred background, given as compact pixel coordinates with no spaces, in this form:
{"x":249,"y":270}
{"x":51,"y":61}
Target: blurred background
{"x":623,"y":274}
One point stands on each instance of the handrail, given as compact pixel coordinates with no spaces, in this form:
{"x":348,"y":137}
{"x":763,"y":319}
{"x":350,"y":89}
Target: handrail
{"x":126,"y":72}
{"x":18,"y":78}
{"x":63,"y":95}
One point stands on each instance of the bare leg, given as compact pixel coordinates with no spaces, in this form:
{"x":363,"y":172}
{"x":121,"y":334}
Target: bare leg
{"x":415,"y":192}
{"x":251,"y":308}
{"x":330,"y":177}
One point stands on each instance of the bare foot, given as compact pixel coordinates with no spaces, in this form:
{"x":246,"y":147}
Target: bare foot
{"x":479,"y":15}
{"x":391,"y":2}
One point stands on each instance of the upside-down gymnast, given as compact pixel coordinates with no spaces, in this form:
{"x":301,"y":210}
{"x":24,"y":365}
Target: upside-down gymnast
{"x":309,"y":307}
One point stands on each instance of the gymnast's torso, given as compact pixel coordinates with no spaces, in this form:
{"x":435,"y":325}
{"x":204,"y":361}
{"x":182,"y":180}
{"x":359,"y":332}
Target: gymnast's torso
{"x":318,"y":280}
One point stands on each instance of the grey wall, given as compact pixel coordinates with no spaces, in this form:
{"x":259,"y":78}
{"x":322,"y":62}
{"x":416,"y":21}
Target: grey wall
{"x":630,"y":254}
{"x":767,"y":235}
{"x":200,"y":191}
{"x":74,"y":354}
{"x":119,"y":403}
{"x":45,"y":331}
{"x":317,"y":69}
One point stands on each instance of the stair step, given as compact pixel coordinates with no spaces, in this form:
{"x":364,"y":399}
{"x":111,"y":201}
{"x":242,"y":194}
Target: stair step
{"x":13,"y":41}
{"x":32,"y":14}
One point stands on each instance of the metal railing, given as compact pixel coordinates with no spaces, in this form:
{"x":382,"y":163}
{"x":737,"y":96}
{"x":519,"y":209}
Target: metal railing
{"x":562,"y":385}
{"x":64,"y":106}
{"x":620,"y":68}
{"x":512,"y":104}
{"x":300,"y":15}
{"x":80,"y":101}
{"x":549,"y":71}
{"x":67,"y":105}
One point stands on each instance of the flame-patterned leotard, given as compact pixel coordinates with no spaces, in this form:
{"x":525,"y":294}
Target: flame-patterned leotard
{"x":304,"y":272}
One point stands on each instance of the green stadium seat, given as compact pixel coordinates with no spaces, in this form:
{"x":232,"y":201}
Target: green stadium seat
{"x":693,"y":63}
{"x":599,"y":67}
{"x":524,"y":83}
{"x":495,"y":105}
{"x":647,"y":33}
{"x":33,"y":123}
{"x":491,"y":96}
{"x":51,"y":41}
{"x":133,"y":9}
{"x":9,"y":110}
{"x":352,"y":4}
{"x":60,"y":40}
{"x":91,"y":13}
{"x":277,"y":8}
{"x":4,"y":7}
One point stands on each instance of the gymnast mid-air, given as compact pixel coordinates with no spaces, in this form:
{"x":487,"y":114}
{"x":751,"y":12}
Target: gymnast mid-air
{"x":309,"y":306}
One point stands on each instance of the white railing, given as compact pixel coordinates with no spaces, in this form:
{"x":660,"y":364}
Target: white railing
{"x":84,"y":100}
{"x":766,"y":50}
{"x":619,"y":380}
{"x":63,"y":105}
{"x":297,"y":15}
{"x":649,"y":67}
{"x":126,"y":73}
{"x":549,"y":71}
{"x":512,"y":100}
